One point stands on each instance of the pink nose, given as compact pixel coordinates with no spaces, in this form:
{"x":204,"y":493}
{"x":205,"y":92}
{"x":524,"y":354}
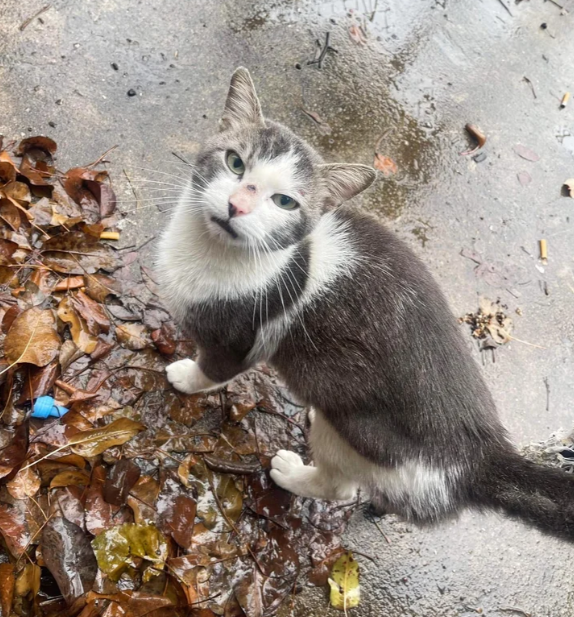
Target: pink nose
{"x":242,"y":201}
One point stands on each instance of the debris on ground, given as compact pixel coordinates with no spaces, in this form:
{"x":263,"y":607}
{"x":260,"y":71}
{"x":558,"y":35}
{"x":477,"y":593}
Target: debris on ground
{"x":565,"y":100}
{"x":383,"y":163}
{"x":543,"y":251}
{"x":526,"y":153}
{"x":556,"y":451}
{"x":489,"y":324}
{"x":139,"y":500}
{"x":568,"y":187}
{"x":478,"y":136}
{"x":324,"y":127}
{"x":344,"y":583}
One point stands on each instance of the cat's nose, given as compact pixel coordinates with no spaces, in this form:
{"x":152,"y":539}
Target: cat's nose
{"x":237,"y":208}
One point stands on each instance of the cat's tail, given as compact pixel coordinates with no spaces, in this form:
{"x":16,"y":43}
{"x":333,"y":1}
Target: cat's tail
{"x":539,"y":496}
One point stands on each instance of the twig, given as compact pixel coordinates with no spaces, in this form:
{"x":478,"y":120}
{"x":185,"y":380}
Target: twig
{"x":556,"y":4}
{"x":26,"y":23}
{"x":369,"y":557}
{"x":102,"y":157}
{"x":132,"y":188}
{"x":531,"y":86}
{"x":506,"y":8}
{"x":326,"y":48}
{"x":547,"y":393}
{"x":382,"y":532}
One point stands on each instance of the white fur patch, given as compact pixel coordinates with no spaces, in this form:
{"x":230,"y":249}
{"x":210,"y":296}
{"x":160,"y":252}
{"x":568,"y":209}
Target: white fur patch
{"x":340,"y":468}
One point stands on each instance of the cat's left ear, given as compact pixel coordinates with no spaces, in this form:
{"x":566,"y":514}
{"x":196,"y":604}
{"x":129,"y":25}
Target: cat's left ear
{"x":242,"y":106}
{"x":344,"y":181}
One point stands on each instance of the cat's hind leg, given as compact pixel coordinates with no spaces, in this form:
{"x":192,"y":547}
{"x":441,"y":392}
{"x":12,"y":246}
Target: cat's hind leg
{"x":326,"y":480}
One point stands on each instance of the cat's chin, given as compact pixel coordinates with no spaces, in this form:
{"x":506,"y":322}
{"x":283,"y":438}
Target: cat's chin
{"x":224,"y":233}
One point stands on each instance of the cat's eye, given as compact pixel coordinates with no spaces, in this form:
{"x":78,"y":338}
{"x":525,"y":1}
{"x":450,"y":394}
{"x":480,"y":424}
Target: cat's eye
{"x":285,"y":202}
{"x":235,"y":163}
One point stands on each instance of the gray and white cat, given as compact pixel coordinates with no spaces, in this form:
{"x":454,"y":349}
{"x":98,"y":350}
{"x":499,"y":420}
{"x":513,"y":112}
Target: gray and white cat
{"x":262,"y":263}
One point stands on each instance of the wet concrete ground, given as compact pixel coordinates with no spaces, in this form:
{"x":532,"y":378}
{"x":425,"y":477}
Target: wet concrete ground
{"x":427,"y":68}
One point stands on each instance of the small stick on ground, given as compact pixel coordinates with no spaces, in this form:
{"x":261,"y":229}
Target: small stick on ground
{"x":382,"y":532}
{"x":132,"y":188}
{"x":547,"y":393}
{"x":326,"y":48}
{"x":98,"y":161}
{"x":531,"y":86}
{"x":506,"y":8}
{"x":515,"y":609}
{"x":26,"y":23}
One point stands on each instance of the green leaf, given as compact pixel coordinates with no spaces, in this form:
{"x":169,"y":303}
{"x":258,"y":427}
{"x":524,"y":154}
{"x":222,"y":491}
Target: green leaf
{"x":344,"y":583}
{"x":115,"y":547}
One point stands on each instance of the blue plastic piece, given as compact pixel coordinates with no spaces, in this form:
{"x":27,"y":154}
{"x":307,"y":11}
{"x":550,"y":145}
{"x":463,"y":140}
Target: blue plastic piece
{"x":45,"y":406}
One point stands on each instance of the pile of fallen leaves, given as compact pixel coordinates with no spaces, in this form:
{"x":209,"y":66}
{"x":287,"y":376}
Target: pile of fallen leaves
{"x":489,"y":324}
{"x":139,"y":500}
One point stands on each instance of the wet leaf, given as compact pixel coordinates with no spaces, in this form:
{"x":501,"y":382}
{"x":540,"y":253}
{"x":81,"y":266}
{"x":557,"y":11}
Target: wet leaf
{"x":70,"y":477}
{"x":81,"y":335}
{"x":93,"y":442}
{"x":77,"y":253}
{"x":115,"y":547}
{"x":142,"y":499}
{"x":120,"y":481}
{"x":24,"y":484}
{"x":7,"y":584}
{"x":91,"y":312}
{"x":68,"y":555}
{"x":178,"y":519}
{"x":39,"y":381}
{"x":133,"y":336}
{"x":33,"y":338}
{"x":248,"y":593}
{"x":14,"y":454}
{"x":164,"y":339}
{"x":14,"y":529}
{"x":101,"y":515}
{"x":526,"y":153}
{"x":385,"y":164}
{"x":344,"y":583}
{"x":100,"y":286}
{"x":28,"y":581}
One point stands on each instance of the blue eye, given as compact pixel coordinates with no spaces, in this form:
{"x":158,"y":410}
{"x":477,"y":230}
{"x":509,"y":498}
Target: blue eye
{"x":235,"y":163}
{"x":285,"y":202}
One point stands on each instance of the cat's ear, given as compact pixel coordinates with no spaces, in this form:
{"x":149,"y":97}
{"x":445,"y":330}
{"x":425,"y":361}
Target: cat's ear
{"x":242,"y":105}
{"x":345,"y":181}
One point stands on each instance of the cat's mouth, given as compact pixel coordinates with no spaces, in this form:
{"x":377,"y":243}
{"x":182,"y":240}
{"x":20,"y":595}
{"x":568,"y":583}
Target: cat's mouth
{"x":226,"y":226}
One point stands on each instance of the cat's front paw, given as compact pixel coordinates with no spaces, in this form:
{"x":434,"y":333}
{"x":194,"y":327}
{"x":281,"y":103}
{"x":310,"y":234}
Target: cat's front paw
{"x":182,"y":375}
{"x":287,"y":470}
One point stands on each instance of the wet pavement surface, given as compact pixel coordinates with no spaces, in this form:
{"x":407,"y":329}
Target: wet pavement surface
{"x":427,"y":68}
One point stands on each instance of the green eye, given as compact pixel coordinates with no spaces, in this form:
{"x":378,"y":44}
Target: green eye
{"x":284,"y":202}
{"x":235,"y":163}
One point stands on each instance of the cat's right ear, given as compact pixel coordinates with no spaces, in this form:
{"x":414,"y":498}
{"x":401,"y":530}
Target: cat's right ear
{"x":344,"y":181}
{"x":242,"y":106}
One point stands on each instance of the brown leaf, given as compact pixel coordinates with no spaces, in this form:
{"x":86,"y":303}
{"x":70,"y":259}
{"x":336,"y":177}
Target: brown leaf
{"x":101,"y":515}
{"x":526,"y":153}
{"x":142,"y":499}
{"x":70,"y":282}
{"x":99,"y":287}
{"x":67,"y":552}
{"x":77,"y":253}
{"x":70,"y":477}
{"x":120,"y":481}
{"x":24,"y":484}
{"x":14,"y":454}
{"x":93,"y":442}
{"x":7,"y":583}
{"x":81,"y":335}
{"x":83,"y":186}
{"x":134,"y":336}
{"x":39,"y":142}
{"x":33,"y":338}
{"x":14,"y":529}
{"x":385,"y":164}
{"x":28,"y":581}
{"x":248,"y":593}
{"x":92,"y":312}
{"x":178,"y":518}
{"x":39,"y":381}
{"x":164,"y":339}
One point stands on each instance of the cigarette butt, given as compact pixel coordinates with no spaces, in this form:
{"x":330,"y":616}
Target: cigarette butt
{"x":543,"y":251}
{"x":565,"y":100}
{"x":110,"y":235}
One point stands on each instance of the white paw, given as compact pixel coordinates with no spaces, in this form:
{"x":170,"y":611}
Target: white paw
{"x":181,"y":375}
{"x":288,"y":470}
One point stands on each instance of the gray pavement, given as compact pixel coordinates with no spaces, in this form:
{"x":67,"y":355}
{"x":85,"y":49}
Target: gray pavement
{"x":427,"y":69}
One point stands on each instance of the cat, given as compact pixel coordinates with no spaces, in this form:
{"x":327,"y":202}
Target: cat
{"x":263,"y":261}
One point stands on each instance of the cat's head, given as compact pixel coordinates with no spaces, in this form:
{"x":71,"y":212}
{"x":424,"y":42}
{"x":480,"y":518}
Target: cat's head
{"x":259,"y":185}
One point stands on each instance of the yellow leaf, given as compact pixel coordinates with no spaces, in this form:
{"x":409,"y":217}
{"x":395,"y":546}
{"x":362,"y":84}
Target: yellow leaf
{"x":70,"y":477}
{"x":93,"y":442}
{"x":32,"y":338}
{"x":344,"y":583}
